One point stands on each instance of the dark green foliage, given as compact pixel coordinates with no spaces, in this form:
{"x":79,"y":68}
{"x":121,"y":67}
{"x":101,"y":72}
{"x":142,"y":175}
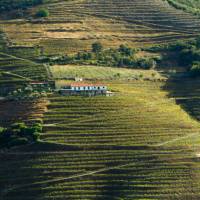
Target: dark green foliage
{"x":195,"y":69}
{"x":125,"y":50}
{"x":84,"y":56}
{"x":19,"y":134}
{"x":191,"y":6}
{"x":123,"y":56}
{"x":185,"y":53}
{"x":8,"y":5}
{"x":18,"y":142}
{"x":42,"y":13}
{"x":97,"y":47}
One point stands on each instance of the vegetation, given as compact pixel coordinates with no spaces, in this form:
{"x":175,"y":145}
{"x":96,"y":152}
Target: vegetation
{"x":102,"y":73}
{"x":185,"y":53}
{"x":72,"y":37}
{"x":8,"y":5}
{"x":28,"y":93}
{"x":19,"y":134}
{"x":97,"y":47}
{"x":192,"y":6}
{"x":42,"y":13}
{"x":137,"y":144}
{"x":124,"y":56}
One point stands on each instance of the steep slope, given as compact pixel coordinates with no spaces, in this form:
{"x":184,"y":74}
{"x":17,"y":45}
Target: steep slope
{"x":74,"y":25}
{"x":192,"y":6}
{"x":135,"y":145}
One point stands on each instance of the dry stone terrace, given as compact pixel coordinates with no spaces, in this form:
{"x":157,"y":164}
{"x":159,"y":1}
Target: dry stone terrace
{"x":75,"y":25}
{"x":108,"y":148}
{"x":136,"y":145}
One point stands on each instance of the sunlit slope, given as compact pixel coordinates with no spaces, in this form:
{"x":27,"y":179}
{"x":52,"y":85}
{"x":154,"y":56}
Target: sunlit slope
{"x":139,"y":114}
{"x":74,"y":25}
{"x":135,"y":145}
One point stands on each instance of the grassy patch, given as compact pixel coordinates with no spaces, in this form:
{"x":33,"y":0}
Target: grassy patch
{"x":101,"y":73}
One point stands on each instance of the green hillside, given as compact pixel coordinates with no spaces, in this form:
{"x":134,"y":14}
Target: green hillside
{"x":190,"y":3}
{"x":135,"y":145}
{"x":141,"y":143}
{"x":75,"y":25}
{"x":192,"y":6}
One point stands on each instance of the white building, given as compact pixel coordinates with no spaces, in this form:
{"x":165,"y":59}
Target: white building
{"x":78,"y":88}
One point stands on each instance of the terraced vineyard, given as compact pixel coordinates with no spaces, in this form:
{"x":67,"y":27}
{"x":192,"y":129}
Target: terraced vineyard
{"x":136,"y":145}
{"x":100,"y":73}
{"x":75,"y":25}
{"x":70,"y":119}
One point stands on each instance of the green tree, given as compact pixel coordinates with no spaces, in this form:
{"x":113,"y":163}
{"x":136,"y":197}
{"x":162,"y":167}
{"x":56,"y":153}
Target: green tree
{"x":195,"y":69}
{"x":42,"y":13}
{"x":97,"y":47}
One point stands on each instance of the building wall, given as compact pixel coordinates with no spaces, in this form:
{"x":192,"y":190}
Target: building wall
{"x":88,"y":88}
{"x":83,"y":92}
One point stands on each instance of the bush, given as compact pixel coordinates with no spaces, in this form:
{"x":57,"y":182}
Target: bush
{"x":17,"y":142}
{"x":195,"y":69}
{"x":147,"y":63}
{"x":36,"y":136}
{"x":97,"y":47}
{"x":19,"y":134}
{"x":42,"y":13}
{"x":125,"y":50}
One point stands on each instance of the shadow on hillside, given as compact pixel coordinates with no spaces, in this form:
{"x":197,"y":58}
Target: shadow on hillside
{"x":21,"y":166}
{"x":186,"y":92}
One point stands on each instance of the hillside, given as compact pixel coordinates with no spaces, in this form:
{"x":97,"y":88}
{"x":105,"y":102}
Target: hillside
{"x":133,"y":145}
{"x":192,"y":6}
{"x":75,"y":25}
{"x":142,"y":142}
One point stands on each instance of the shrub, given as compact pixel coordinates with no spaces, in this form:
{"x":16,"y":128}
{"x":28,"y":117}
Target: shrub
{"x":146,"y":63}
{"x":7,"y":5}
{"x":42,"y":13}
{"x":19,"y":134}
{"x":17,"y":142}
{"x":97,"y":47}
{"x":125,"y":50}
{"x":36,"y":136}
{"x":195,"y":69}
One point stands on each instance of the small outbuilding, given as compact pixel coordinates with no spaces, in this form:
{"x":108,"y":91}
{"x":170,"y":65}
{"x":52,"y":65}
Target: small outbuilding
{"x":84,"y":89}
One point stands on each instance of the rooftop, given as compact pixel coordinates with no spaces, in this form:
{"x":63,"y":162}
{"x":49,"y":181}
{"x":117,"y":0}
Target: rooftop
{"x":80,"y":84}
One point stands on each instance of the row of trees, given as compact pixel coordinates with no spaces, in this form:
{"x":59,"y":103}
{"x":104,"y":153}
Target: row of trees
{"x":189,"y":55}
{"x":123,"y":56}
{"x":8,"y":5}
{"x":185,"y":53}
{"x":29,"y":93}
{"x":19,"y":134}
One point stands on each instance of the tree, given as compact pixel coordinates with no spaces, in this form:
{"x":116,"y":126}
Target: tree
{"x":97,"y":47}
{"x":195,"y":69}
{"x":42,"y":13}
{"x":125,"y":50}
